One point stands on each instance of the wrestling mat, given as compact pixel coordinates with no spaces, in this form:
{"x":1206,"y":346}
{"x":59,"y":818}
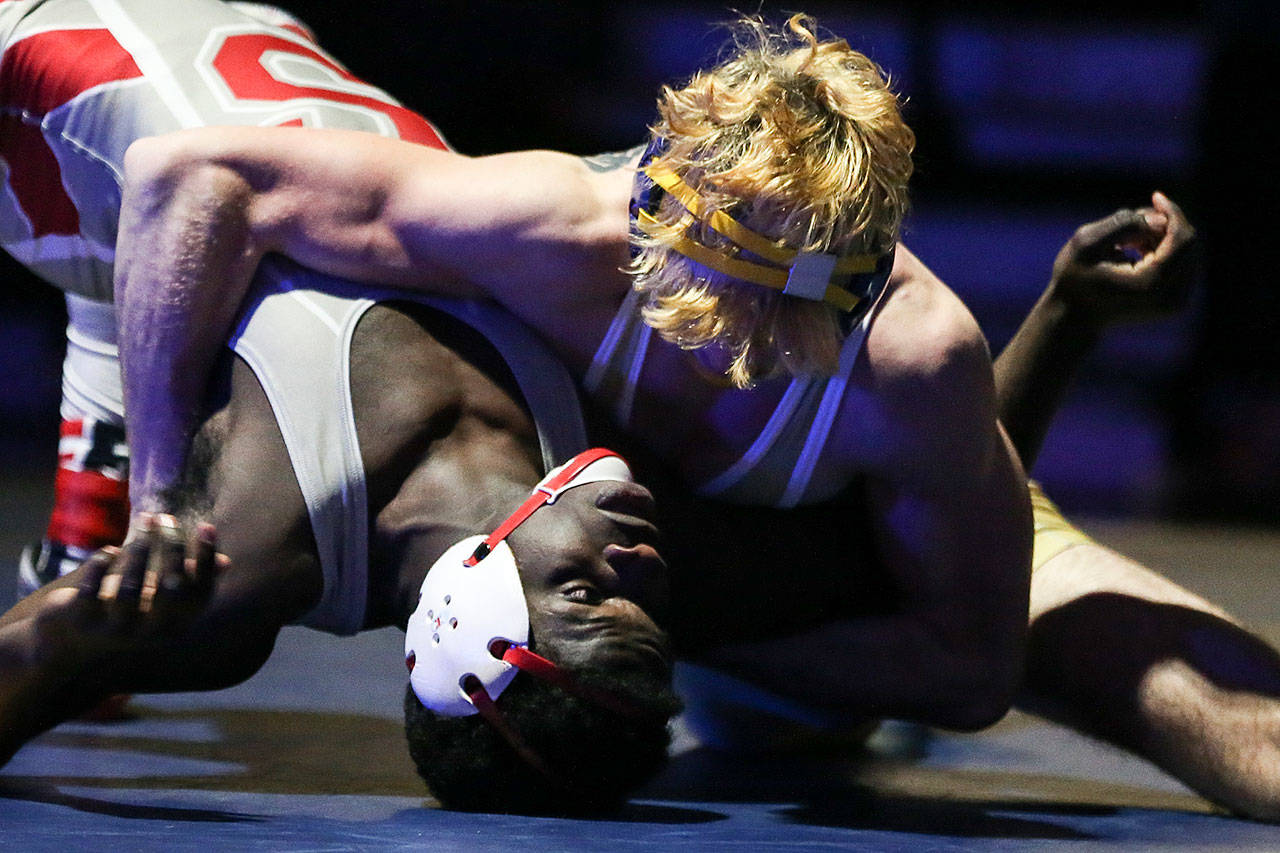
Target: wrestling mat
{"x":309,"y":755}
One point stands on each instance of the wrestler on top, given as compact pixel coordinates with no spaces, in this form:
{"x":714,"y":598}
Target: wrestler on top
{"x":1115,"y":650}
{"x":798,"y":142}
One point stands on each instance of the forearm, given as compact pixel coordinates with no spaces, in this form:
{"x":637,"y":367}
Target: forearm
{"x":1035,"y":369}
{"x":1132,"y":265}
{"x":54,"y":665}
{"x":893,"y":666}
{"x":185,"y":258}
{"x":32,"y":698}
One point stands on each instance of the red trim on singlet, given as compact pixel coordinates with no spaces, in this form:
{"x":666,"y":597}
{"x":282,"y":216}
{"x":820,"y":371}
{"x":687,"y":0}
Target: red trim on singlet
{"x":239,"y":62}
{"x":38,"y":74}
{"x":37,"y":183}
{"x":82,"y":59}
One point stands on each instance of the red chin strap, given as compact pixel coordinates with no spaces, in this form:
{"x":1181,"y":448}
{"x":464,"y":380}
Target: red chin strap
{"x":543,"y":669}
{"x":546,"y":492}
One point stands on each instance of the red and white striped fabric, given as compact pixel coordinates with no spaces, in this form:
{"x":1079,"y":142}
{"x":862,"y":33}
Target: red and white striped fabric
{"x":82,"y":79}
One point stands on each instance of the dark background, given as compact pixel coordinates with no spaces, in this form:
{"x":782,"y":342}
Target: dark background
{"x":1029,"y":124}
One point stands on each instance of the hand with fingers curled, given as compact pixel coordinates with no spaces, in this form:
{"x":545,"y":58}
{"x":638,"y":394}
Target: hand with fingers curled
{"x":1136,"y":264}
{"x":151,"y":587}
{"x":90,"y":634}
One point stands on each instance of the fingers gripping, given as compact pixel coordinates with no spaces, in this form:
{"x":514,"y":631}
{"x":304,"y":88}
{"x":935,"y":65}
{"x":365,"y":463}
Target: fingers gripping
{"x":184,"y":571}
{"x":159,"y":579}
{"x":167,"y":557}
{"x":1096,"y":241}
{"x":1132,"y":265}
{"x":1179,"y":232}
{"x":92,"y":571}
{"x":124,"y":603}
{"x":203,"y":561}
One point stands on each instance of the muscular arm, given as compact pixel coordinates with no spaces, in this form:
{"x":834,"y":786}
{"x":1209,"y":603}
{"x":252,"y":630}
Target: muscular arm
{"x":201,"y":208}
{"x":65,"y":647}
{"x":952,"y":531}
{"x":100,"y":631}
{"x":1133,"y":265}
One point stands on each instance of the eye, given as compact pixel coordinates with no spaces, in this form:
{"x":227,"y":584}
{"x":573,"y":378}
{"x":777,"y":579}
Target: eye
{"x":583,"y":594}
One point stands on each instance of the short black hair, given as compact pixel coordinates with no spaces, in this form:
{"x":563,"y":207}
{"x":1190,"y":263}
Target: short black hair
{"x":599,"y":754}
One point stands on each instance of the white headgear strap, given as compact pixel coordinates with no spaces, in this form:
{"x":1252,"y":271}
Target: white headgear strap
{"x":472,"y":596}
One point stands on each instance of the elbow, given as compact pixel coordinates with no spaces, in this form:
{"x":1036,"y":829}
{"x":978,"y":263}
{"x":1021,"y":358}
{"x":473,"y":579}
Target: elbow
{"x":981,"y":685}
{"x":176,"y":174}
{"x":155,"y":168}
{"x":148,"y":157}
{"x":180,"y":205}
{"x":984,"y":703}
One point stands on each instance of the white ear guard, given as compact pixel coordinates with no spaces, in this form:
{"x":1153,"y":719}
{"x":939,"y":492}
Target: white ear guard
{"x":461,"y":610}
{"x":472,"y":597}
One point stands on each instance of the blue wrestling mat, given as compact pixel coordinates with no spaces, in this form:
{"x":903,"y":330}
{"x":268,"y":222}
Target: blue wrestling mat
{"x":309,"y":755}
{"x":284,"y":762}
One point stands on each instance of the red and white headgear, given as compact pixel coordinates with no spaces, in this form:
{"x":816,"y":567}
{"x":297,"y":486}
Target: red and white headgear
{"x":469,"y":635}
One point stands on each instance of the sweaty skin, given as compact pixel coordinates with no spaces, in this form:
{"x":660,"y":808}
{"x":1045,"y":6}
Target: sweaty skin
{"x":545,"y":235}
{"x":449,"y":451}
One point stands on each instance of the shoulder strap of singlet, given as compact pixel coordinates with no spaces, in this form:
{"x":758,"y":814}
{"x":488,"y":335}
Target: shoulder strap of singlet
{"x":824,"y":418}
{"x":619,"y":359}
{"x":758,"y":476}
{"x":297,"y":343}
{"x":615,"y":371}
{"x":765,"y":441}
{"x":297,"y":340}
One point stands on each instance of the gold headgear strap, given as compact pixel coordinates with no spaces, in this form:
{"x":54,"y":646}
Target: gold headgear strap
{"x":807,"y":275}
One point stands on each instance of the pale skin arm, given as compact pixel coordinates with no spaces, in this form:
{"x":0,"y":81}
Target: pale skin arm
{"x":538,"y":231}
{"x":1133,"y":265}
{"x":952,"y":527}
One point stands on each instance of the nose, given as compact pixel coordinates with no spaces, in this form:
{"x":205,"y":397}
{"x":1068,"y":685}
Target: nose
{"x":642,"y":576}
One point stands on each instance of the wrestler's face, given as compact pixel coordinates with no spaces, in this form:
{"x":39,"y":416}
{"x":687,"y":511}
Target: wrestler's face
{"x":595,"y":585}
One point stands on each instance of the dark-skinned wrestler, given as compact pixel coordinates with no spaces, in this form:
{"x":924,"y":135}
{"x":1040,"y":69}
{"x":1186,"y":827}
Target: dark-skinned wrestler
{"x":1144,"y":710}
{"x":451,"y":459}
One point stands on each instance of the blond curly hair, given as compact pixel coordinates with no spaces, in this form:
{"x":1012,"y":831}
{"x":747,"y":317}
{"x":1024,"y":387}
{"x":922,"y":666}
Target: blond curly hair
{"x":799,"y":140}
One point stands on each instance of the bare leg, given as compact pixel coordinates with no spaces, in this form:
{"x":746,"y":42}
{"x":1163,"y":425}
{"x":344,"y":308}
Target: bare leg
{"x":1123,"y":654}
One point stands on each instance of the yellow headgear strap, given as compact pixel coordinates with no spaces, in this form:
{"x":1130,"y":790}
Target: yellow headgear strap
{"x":806,"y":274}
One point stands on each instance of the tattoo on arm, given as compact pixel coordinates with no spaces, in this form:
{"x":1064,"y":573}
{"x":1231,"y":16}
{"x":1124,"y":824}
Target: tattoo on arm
{"x":611,"y":161}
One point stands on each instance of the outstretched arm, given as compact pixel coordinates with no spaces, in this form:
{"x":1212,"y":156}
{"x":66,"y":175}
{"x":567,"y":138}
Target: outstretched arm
{"x":131,"y":619}
{"x":1132,"y":265}
{"x":201,"y":208}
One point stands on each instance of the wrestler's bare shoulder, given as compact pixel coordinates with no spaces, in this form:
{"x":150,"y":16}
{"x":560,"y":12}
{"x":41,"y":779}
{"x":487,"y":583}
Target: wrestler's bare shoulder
{"x":923,"y":329}
{"x":924,"y":383}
